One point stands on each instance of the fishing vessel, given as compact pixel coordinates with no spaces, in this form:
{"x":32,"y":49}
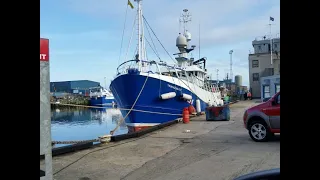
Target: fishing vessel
{"x":150,"y":92}
{"x":100,"y":96}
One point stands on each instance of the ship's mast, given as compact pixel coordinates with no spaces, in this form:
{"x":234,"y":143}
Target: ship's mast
{"x":141,"y":46}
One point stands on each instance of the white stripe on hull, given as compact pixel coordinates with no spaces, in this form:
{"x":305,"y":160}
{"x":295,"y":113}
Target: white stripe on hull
{"x":104,"y":104}
{"x":141,"y":124}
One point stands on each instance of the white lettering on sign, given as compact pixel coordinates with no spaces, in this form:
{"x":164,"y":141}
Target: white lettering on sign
{"x":174,"y":87}
{"x":190,"y":101}
{"x":43,"y":56}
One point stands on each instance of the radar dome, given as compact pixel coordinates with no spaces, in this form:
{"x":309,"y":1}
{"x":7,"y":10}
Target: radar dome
{"x":188,"y":36}
{"x":181,"y":41}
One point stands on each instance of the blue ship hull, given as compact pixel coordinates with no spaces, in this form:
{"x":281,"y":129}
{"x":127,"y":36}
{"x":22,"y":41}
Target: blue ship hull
{"x":125,"y":89}
{"x":101,"y":101}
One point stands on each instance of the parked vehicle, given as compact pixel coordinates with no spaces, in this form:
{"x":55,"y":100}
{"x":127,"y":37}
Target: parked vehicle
{"x":270,"y":174}
{"x":266,"y":99}
{"x":263,"y":120}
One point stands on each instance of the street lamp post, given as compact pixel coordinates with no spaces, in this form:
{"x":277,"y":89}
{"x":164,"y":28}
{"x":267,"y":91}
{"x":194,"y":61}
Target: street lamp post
{"x":231,"y":73}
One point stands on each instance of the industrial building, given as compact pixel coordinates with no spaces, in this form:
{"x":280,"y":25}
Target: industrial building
{"x":261,"y":65}
{"x":234,"y":87}
{"x":76,"y":87}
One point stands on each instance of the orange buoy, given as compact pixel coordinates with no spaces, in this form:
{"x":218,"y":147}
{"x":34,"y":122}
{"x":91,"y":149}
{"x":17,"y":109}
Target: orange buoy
{"x":185,"y":115}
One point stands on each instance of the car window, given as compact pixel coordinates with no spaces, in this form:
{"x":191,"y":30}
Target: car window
{"x":278,"y":99}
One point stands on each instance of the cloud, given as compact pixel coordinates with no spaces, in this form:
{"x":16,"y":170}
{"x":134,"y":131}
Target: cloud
{"x":220,"y":21}
{"x":93,"y":35}
{"x":98,"y":8}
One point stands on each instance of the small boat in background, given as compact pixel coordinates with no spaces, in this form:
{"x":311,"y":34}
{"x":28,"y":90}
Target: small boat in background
{"x":101,"y":97}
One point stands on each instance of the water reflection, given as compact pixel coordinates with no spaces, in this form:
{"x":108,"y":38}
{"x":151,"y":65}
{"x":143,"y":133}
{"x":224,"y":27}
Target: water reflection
{"x":71,"y":123}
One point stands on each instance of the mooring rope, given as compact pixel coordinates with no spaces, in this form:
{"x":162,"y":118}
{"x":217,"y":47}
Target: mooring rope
{"x":151,"y":112}
{"x":76,"y":141}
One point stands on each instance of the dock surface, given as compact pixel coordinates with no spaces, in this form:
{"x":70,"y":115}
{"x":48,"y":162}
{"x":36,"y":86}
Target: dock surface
{"x":204,"y":150}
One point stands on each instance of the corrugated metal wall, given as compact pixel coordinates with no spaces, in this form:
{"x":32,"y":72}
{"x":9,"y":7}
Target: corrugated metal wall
{"x":69,"y":86}
{"x":63,"y":86}
{"x":85,"y":84}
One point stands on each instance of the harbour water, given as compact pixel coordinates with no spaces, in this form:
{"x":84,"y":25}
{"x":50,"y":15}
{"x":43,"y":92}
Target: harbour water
{"x":70,"y":123}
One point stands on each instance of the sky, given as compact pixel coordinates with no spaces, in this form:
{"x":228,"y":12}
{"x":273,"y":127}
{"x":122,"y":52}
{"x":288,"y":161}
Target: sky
{"x":85,"y":35}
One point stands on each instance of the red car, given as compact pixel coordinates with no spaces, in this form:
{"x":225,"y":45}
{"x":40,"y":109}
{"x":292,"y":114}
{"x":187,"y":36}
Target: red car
{"x":263,"y":120}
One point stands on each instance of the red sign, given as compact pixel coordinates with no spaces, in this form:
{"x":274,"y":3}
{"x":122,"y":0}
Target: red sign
{"x":44,"y":49}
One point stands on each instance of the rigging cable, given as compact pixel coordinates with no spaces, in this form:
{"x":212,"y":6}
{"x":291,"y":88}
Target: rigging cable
{"x":134,"y":23}
{"x":124,"y":27}
{"x":158,"y":39}
{"x":154,"y":46}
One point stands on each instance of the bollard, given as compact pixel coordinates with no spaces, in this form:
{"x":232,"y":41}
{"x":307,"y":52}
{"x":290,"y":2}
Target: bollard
{"x":105,"y":138}
{"x":192,"y":110}
{"x":185,"y":115}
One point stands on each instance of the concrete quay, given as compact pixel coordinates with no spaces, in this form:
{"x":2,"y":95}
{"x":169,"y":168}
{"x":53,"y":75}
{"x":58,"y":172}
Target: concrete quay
{"x":219,"y":150}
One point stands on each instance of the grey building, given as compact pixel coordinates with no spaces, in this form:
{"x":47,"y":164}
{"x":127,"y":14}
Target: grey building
{"x":260,"y":62}
{"x":78,"y":86}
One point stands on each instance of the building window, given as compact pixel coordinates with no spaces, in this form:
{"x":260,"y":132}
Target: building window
{"x":277,"y":88}
{"x":268,"y":72}
{"x":266,"y":91}
{"x":275,"y":45}
{"x":259,"y":47}
{"x":255,"y":63}
{"x":255,"y":76}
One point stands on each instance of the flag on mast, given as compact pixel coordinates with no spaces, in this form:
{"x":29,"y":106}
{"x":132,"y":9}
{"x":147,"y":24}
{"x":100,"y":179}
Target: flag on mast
{"x":271,"y":18}
{"x":130,"y":4}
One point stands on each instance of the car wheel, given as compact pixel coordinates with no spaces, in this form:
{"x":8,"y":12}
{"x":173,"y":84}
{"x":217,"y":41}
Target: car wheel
{"x":259,"y":131}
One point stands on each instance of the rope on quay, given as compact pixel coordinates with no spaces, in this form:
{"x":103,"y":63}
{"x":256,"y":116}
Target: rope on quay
{"x":101,"y":139}
{"x":76,"y":105}
{"x":75,"y":142}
